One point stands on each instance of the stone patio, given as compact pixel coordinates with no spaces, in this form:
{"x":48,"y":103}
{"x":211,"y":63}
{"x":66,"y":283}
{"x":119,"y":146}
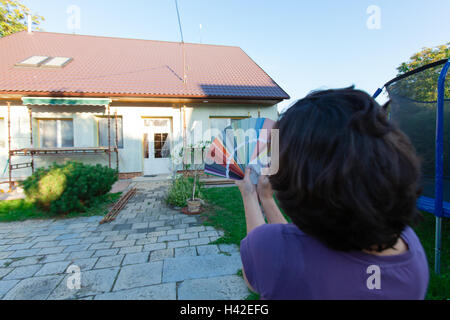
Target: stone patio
{"x":148,"y":252}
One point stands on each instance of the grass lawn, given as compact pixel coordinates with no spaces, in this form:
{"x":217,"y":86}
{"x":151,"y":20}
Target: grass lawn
{"x":226,"y":212}
{"x":19,"y":210}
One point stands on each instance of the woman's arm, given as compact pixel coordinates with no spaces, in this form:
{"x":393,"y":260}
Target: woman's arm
{"x":253,"y":214}
{"x":271,"y":209}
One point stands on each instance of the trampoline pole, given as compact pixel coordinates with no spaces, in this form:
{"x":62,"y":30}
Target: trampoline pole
{"x":437,"y":253}
{"x":377,"y":93}
{"x":438,"y":199}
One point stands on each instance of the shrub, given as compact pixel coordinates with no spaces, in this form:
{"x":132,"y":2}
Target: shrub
{"x":69,"y":187}
{"x":181,"y":191}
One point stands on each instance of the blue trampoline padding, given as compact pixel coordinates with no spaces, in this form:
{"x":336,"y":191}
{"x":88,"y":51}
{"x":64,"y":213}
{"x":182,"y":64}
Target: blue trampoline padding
{"x":427,"y":204}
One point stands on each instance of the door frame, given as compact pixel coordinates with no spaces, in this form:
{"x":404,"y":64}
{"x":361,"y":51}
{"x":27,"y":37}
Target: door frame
{"x":170,"y":118}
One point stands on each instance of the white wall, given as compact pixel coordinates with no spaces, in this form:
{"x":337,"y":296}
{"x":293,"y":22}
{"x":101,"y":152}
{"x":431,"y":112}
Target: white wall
{"x":85,"y":129}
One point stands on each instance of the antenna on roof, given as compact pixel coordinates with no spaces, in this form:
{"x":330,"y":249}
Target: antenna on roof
{"x":179,"y":21}
{"x":201,"y":27}
{"x":182,"y":44}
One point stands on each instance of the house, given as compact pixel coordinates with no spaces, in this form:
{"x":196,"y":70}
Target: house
{"x":69,"y":94}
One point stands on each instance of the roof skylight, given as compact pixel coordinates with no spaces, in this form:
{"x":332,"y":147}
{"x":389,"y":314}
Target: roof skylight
{"x":34,"y":61}
{"x":45,"y":62}
{"x":57,"y":62}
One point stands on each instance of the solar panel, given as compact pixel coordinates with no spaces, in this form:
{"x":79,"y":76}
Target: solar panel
{"x":57,"y":62}
{"x":34,"y":61}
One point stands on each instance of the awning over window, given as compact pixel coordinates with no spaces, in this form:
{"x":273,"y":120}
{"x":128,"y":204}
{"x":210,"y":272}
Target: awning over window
{"x":50,"y":101}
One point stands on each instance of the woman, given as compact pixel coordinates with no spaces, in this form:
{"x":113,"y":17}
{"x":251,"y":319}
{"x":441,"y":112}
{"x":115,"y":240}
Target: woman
{"x":348,"y":180}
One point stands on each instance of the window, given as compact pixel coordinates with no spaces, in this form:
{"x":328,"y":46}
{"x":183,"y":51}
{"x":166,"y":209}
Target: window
{"x":57,"y":62}
{"x":162,"y":145}
{"x":103,"y":131}
{"x":2,"y":133}
{"x":55,"y":133}
{"x":34,"y":61}
{"x":163,"y":124}
{"x":157,"y":138}
{"x":221,"y":123}
{"x":146,"y":149}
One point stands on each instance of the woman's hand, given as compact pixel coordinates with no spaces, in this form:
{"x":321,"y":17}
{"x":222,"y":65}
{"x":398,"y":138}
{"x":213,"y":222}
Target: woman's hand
{"x":246,"y":187}
{"x":253,"y":215}
{"x":264,"y":188}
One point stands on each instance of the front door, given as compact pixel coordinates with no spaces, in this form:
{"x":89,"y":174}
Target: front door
{"x":157,"y":134}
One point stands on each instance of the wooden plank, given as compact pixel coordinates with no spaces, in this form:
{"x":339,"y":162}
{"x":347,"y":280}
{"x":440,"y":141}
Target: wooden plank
{"x":112,"y":214}
{"x":210,"y":181}
{"x":54,"y":151}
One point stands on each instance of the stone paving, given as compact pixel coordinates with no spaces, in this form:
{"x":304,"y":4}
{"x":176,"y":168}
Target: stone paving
{"x":149,"y":252}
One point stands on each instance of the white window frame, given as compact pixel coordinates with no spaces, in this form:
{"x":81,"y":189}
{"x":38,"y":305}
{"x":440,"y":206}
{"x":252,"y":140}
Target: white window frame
{"x":225,"y":118}
{"x":58,"y":131}
{"x":113,"y":129}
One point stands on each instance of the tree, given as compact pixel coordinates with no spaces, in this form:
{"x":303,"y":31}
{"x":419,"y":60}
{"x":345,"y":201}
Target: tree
{"x":422,"y":86}
{"x":13,"y":17}
{"x":426,"y":56}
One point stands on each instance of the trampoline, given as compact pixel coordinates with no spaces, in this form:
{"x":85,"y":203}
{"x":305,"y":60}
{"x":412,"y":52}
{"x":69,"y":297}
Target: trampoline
{"x":420,"y":105}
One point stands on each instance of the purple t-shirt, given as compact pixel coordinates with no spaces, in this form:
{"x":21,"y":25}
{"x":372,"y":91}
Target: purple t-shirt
{"x":282,"y":262}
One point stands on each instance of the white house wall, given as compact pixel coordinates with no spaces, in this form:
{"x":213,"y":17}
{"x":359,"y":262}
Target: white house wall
{"x":85,"y":130}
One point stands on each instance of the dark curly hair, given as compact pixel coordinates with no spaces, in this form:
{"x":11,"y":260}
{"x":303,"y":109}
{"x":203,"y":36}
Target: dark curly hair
{"x":347,"y":175}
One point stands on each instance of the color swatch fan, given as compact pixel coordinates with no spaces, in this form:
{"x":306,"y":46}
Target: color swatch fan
{"x":245,"y":143}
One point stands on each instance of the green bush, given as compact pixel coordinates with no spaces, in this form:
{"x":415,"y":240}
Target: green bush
{"x":70,"y":187}
{"x":181,"y":191}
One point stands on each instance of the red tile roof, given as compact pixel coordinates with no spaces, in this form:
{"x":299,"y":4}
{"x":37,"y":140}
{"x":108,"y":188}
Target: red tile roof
{"x":105,"y":66}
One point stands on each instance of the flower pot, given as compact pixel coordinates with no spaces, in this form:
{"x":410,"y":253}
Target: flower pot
{"x":194,"y":205}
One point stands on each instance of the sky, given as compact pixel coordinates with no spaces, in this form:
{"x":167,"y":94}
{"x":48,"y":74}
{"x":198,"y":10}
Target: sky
{"x":303,"y":45}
